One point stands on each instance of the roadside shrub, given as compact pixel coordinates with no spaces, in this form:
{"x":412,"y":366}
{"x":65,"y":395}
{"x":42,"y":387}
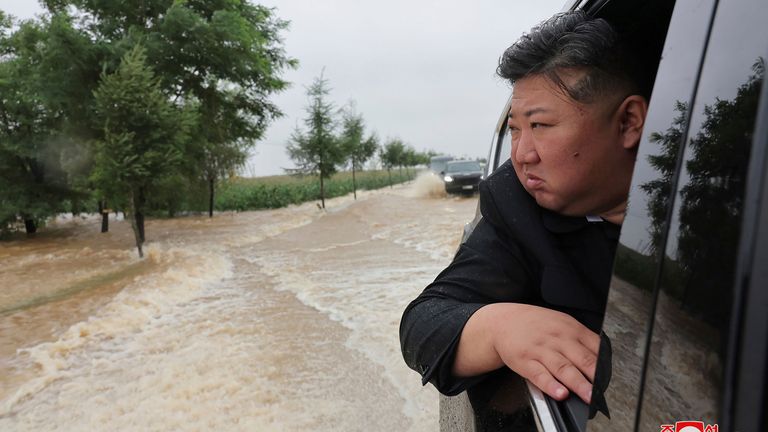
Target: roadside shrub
{"x":242,"y":194}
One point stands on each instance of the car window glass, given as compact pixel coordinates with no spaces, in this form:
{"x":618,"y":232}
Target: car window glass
{"x":506,"y":146}
{"x":685,"y":365}
{"x":630,"y":299}
{"x":462,"y":166}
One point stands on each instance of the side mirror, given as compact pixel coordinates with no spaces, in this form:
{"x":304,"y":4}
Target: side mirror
{"x":442,"y":172}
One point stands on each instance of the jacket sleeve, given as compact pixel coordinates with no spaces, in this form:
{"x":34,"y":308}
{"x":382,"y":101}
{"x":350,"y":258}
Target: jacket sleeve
{"x":487,"y":268}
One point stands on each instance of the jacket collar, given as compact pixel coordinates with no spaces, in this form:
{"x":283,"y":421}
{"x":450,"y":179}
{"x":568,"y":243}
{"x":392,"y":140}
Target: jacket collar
{"x":559,"y":224}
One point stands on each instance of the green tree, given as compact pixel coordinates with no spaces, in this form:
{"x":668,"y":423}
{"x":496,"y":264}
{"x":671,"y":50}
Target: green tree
{"x":357,"y":149}
{"x":226,"y":57}
{"x":422,"y":158}
{"x":410,"y":158}
{"x":143,"y":136}
{"x":33,"y":182}
{"x":317,"y":150}
{"x":391,"y":155}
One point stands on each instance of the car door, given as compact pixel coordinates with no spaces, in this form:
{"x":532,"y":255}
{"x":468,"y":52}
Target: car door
{"x":676,"y":308}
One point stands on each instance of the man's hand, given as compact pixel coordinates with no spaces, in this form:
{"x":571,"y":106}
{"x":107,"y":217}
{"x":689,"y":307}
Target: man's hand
{"x":549,"y":348}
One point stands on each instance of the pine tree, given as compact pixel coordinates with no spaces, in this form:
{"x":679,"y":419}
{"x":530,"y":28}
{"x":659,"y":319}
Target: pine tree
{"x":317,"y":150}
{"x":357,"y":150}
{"x":143,"y":136}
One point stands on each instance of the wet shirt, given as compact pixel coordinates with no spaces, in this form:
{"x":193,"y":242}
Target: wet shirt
{"x":518,"y":252}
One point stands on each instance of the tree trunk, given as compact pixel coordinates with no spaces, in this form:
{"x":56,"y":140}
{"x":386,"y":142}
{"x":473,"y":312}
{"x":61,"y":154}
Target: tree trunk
{"x":389,"y":171}
{"x":135,"y":223}
{"x":322,"y":191}
{"x":408,"y":173}
{"x":140,"y":214}
{"x":104,"y":215}
{"x":78,"y":207}
{"x":30,"y":226}
{"x":354,"y":182}
{"x":211,"y":182}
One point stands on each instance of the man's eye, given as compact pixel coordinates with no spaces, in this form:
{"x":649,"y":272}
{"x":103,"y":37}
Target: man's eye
{"x":537,"y":125}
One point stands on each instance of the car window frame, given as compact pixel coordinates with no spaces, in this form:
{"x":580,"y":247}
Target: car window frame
{"x":744,"y":403}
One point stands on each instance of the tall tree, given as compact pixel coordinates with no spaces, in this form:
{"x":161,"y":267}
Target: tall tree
{"x":317,"y":150}
{"x":143,"y":135}
{"x":391,"y":155}
{"x":357,"y":150}
{"x":409,"y":159}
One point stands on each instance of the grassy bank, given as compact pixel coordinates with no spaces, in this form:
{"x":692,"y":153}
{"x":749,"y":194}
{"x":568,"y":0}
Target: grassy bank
{"x":279,"y":191}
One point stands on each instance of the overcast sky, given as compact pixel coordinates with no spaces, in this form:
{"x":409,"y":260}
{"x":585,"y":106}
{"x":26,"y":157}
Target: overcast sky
{"x":422,"y":71}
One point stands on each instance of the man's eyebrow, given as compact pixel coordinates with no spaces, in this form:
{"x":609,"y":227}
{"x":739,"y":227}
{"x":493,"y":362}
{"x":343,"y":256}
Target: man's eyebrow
{"x":530,"y":112}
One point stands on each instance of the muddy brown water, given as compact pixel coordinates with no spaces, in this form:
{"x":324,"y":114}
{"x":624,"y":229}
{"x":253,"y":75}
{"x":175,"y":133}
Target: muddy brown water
{"x":278,"y":320}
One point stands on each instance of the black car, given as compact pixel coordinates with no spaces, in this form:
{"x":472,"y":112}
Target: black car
{"x":687,"y":312}
{"x":462,"y":176}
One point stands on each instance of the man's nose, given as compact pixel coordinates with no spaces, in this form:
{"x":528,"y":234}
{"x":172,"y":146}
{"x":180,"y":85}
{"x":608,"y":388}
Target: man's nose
{"x":524,"y":151}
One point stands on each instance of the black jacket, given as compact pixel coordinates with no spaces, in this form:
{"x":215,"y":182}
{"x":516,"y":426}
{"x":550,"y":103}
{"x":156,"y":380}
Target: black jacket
{"x":519,"y":252}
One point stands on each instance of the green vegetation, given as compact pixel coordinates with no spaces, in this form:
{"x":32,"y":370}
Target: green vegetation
{"x":278,"y":191}
{"x":147,"y":106}
{"x":113,"y":102}
{"x":641,"y":270}
{"x":395,"y":153}
{"x":321,"y":149}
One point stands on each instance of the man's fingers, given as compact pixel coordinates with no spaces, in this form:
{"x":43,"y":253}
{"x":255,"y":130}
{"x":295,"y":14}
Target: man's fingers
{"x":581,"y":357}
{"x":536,"y":373}
{"x":569,"y":375}
{"x":551,"y":349}
{"x":591,"y":340}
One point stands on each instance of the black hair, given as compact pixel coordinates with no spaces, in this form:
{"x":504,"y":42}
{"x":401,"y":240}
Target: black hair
{"x":579,"y":42}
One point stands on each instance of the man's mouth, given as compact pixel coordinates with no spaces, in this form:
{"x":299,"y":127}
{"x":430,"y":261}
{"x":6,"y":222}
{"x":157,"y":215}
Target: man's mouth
{"x":532,"y":181}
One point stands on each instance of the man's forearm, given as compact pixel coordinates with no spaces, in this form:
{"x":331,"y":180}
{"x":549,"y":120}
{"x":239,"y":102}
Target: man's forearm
{"x":476,"y":353}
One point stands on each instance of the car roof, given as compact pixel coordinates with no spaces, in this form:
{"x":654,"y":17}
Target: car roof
{"x":458,"y":161}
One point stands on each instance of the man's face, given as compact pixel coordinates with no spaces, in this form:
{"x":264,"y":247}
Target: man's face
{"x":569,"y":156}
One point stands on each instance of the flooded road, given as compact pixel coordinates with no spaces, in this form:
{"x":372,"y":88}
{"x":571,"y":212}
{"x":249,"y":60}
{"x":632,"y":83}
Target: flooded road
{"x":279,"y":320}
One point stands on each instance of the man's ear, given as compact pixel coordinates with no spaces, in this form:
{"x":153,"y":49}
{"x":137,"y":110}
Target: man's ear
{"x":631,"y":117}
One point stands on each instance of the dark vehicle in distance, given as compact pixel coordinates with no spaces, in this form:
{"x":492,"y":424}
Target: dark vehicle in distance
{"x":462,"y":176}
{"x":437,"y":163}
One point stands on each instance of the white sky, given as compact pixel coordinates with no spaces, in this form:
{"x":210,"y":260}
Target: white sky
{"x":422,"y":71}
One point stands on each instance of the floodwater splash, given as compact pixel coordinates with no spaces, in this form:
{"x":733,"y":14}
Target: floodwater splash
{"x":277,"y":320}
{"x":147,"y":298}
{"x":428,"y":185}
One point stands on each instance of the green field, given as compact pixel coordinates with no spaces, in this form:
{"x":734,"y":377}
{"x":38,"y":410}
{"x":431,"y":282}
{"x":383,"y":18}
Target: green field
{"x":279,"y":191}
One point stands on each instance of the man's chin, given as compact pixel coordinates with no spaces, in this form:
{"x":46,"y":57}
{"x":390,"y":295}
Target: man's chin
{"x":552,"y":204}
{"x":545,"y":200}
